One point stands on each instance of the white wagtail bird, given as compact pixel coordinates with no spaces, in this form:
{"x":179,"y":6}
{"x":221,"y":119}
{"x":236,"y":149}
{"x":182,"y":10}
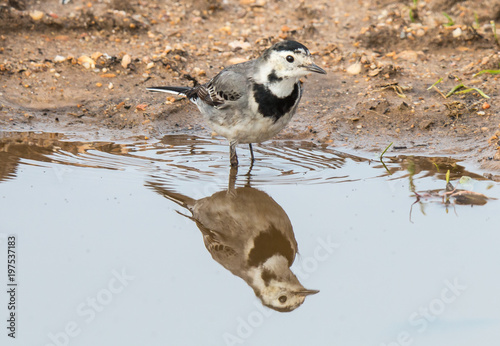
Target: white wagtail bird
{"x":252,"y":101}
{"x":250,"y":235}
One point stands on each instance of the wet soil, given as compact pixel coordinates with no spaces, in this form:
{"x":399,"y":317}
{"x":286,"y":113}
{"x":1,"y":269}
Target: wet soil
{"x":83,"y":68}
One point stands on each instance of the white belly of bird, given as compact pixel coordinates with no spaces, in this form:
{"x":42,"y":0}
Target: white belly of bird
{"x":252,"y":129}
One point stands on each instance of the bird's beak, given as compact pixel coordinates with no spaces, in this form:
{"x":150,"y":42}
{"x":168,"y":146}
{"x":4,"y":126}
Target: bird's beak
{"x":315,"y":68}
{"x":306,"y":292}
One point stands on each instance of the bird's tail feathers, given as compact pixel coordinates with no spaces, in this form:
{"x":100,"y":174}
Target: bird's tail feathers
{"x":170,"y":90}
{"x":183,"y":201}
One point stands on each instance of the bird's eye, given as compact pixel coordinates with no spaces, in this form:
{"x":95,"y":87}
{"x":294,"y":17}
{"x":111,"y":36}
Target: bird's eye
{"x":282,"y":299}
{"x":290,"y":58}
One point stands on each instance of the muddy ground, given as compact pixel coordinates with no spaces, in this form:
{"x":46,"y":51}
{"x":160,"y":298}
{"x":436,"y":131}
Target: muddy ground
{"x":83,"y":68}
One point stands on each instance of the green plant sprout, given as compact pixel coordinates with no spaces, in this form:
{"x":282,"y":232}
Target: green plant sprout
{"x":413,"y":11}
{"x":385,"y":150}
{"x":476,"y":21}
{"x":494,"y":29}
{"x":487,"y":71}
{"x":381,"y":158}
{"x":450,"y":20}
{"x":457,"y":89}
{"x":433,"y":85}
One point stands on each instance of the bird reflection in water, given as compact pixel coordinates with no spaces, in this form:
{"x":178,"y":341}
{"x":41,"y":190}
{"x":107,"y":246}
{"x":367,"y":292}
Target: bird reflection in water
{"x":250,"y":235}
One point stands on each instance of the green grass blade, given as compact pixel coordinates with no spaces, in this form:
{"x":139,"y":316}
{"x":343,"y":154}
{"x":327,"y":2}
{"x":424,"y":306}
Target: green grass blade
{"x":481,"y":93}
{"x":487,"y":71}
{"x":382,"y":155}
{"x":433,"y":85}
{"x":454,"y":90}
{"x":468,"y":90}
{"x":450,"y":20}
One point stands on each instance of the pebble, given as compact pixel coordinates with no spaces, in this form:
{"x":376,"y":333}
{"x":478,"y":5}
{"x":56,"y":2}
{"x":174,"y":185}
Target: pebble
{"x":96,"y":55}
{"x":233,"y":61}
{"x":126,"y":60}
{"x":457,"y":32}
{"x":409,"y":55}
{"x":86,"y":62}
{"x":59,"y":58}
{"x":36,"y":15}
{"x":354,"y":68}
{"x":239,"y":45}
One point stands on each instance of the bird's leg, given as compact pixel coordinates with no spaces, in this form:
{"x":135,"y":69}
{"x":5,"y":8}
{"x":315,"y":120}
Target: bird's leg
{"x":233,"y":173}
{"x":233,"y":158}
{"x":249,"y":175}
{"x":251,"y":152}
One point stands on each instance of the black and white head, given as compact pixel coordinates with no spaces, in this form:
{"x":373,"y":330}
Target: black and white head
{"x":277,"y":286}
{"x":284,"y":295}
{"x":287,"y":60}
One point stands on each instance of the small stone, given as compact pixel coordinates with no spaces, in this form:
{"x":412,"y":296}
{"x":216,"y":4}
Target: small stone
{"x":497,"y":155}
{"x":409,"y":55}
{"x":486,"y":105}
{"x":354,"y":68}
{"x":126,"y":60}
{"x":425,"y":124}
{"x":36,"y":15}
{"x":233,"y":61}
{"x":199,"y":72}
{"x":420,"y":32}
{"x":457,"y":32}
{"x":96,"y":56}
{"x":235,"y":45}
{"x":484,"y":129}
{"x":86,"y":62}
{"x":110,"y":86}
{"x":226,"y":29}
{"x":150,"y":65}
{"x":59,"y":58}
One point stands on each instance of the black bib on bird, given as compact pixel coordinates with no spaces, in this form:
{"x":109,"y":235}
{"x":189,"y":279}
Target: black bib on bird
{"x":272,"y":106}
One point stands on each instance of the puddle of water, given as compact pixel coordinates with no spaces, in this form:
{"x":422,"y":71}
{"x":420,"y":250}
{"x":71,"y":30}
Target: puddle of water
{"x":144,"y":242}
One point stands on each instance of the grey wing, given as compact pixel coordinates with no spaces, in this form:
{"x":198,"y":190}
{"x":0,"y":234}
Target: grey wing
{"x":215,"y":244}
{"x":229,"y":86}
